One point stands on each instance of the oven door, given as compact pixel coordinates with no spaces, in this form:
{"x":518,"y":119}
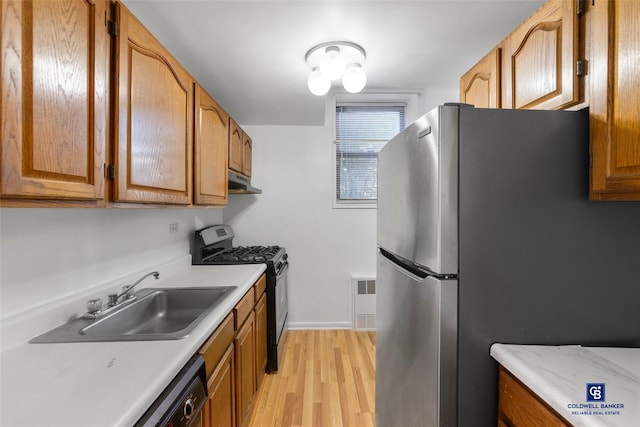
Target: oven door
{"x":277,"y":318}
{"x":282,"y":303}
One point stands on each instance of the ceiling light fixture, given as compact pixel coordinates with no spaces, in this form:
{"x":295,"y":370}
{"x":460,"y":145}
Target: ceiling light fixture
{"x":334,"y":60}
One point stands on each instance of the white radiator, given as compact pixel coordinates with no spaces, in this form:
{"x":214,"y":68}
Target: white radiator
{"x":364,"y":303}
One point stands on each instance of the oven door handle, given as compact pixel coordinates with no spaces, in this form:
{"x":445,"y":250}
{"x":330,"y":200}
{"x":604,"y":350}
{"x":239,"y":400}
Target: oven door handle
{"x":284,"y":270}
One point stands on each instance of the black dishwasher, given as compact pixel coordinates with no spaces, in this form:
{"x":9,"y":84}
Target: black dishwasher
{"x":181,"y":402}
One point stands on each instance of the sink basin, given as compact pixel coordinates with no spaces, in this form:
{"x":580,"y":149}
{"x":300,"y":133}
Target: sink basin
{"x":155,"y":314}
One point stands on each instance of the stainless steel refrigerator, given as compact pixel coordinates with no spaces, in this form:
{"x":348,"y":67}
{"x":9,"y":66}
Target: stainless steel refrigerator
{"x":485,"y":234}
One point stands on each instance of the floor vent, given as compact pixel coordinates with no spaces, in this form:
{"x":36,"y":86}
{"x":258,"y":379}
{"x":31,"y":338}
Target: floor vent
{"x":364,"y":304}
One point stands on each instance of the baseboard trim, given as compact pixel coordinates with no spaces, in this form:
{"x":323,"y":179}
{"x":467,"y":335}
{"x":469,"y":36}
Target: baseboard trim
{"x":320,"y":325}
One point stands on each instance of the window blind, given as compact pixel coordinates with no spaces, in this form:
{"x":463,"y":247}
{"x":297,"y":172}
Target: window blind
{"x":361,"y":132}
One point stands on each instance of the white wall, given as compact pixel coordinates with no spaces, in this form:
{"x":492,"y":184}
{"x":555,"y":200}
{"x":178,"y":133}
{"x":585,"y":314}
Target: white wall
{"x":49,"y":254}
{"x":293,"y":166}
{"x":433,"y":97}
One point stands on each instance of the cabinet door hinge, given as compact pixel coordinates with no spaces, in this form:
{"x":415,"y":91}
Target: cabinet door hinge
{"x":113,"y":28}
{"x":581,"y":67}
{"x":110,"y":171}
{"x":581,"y":7}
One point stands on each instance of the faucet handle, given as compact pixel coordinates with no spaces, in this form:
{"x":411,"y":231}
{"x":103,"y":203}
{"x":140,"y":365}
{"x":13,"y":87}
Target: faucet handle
{"x":94,"y":305}
{"x":125,"y":291}
{"x":113,"y":300}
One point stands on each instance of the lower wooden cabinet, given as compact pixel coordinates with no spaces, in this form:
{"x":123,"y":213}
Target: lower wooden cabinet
{"x":235,"y":359}
{"x":245,"y":367}
{"x":520,"y":407}
{"x":220,"y":410}
{"x":261,"y":338}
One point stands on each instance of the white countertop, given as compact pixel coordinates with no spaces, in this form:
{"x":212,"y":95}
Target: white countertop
{"x":108,"y":383}
{"x":559,"y":375}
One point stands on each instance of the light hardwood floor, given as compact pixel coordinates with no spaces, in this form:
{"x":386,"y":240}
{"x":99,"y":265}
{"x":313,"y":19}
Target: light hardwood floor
{"x":327,"y":379}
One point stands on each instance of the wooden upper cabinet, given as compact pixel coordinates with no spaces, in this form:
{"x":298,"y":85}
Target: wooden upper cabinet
{"x":240,"y":150}
{"x":235,"y":147}
{"x":539,"y":63}
{"x":53,"y":99}
{"x":153,"y":120}
{"x":480,"y":86}
{"x":247,"y":154}
{"x":614,"y":102}
{"x":211,"y":145}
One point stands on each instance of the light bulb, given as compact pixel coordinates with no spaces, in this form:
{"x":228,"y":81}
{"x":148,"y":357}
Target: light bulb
{"x":332,"y":64}
{"x":354,"y":78}
{"x":318,"y":84}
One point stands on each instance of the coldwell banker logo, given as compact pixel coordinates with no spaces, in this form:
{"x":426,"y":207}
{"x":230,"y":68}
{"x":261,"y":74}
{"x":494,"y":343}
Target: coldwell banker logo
{"x":595,"y":392}
{"x":595,"y":404}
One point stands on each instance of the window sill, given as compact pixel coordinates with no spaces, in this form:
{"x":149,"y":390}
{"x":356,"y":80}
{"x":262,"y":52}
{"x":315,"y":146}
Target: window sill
{"x":354,"y":205}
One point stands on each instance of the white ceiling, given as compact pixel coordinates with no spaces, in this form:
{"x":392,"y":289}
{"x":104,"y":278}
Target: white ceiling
{"x":249,"y":55}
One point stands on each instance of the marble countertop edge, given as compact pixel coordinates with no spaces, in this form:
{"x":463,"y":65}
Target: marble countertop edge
{"x":560,"y":375}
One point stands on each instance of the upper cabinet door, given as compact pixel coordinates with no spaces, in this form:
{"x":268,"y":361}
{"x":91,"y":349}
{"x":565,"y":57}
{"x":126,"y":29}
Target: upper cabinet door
{"x":247,"y":154}
{"x":154,"y":122}
{"x":53,"y":99}
{"x":480,"y":86}
{"x":539,"y":60}
{"x":211,"y":147}
{"x":614,"y":101}
{"x":235,"y":147}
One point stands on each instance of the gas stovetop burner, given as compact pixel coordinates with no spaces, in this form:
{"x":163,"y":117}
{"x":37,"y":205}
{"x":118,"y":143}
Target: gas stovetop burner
{"x":214,"y":245}
{"x":246,"y":254}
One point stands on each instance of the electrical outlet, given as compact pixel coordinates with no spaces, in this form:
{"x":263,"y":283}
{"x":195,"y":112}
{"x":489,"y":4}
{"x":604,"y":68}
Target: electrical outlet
{"x":173,"y":228}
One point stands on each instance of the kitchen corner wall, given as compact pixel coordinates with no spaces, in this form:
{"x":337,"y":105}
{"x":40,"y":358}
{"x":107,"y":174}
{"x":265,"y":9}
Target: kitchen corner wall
{"x":50,"y":254}
{"x":293,"y":165}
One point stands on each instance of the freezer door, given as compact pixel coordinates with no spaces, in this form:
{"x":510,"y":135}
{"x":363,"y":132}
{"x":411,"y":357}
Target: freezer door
{"x":416,"y":348}
{"x":418,"y":192}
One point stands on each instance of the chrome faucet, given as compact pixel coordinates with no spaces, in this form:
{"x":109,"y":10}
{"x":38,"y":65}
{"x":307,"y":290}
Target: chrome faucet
{"x":127,"y":290}
{"x":94,"y":306}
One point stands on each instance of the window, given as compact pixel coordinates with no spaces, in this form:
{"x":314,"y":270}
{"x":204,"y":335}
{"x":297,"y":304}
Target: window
{"x":361,"y":131}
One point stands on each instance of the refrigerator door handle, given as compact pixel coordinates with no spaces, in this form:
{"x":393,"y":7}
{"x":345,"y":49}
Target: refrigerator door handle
{"x":413,"y":269}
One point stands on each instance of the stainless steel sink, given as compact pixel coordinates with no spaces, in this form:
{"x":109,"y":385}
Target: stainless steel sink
{"x":155,"y":314}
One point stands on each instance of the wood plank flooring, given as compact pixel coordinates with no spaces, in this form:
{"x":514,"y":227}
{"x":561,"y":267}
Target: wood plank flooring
{"x":327,"y":379}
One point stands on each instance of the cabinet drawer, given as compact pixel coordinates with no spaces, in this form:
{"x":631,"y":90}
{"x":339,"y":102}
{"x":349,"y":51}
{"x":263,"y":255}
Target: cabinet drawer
{"x":244,"y":307}
{"x":260,"y":286}
{"x":214,"y":348}
{"x":521,"y":407}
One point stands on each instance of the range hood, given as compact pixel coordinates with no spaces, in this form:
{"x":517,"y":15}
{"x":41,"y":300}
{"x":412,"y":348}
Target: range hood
{"x":239,"y":184}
